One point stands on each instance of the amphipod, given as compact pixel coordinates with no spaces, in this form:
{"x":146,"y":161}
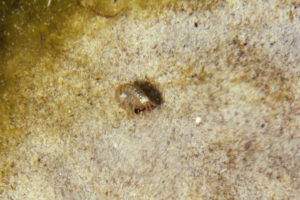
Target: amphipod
{"x":132,"y":99}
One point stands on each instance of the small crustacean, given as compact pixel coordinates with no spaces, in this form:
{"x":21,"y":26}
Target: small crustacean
{"x":132,"y":99}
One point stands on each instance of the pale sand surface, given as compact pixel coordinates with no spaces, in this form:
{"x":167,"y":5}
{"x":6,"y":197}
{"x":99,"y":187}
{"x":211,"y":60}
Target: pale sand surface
{"x":238,"y":70}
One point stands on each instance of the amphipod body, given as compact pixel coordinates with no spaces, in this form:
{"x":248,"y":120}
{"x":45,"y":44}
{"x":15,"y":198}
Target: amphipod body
{"x":132,"y":99}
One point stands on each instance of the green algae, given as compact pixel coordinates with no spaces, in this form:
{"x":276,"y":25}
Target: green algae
{"x":28,"y":31}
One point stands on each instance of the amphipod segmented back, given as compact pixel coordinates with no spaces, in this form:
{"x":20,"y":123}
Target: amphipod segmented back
{"x":132,"y":99}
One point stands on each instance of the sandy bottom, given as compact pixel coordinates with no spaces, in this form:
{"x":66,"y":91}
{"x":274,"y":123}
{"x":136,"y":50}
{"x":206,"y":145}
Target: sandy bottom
{"x":235,"y":68}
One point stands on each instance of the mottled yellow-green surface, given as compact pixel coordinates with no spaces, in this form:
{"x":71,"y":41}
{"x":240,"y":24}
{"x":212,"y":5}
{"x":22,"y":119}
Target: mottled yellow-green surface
{"x":33,"y":33}
{"x":233,"y":64}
